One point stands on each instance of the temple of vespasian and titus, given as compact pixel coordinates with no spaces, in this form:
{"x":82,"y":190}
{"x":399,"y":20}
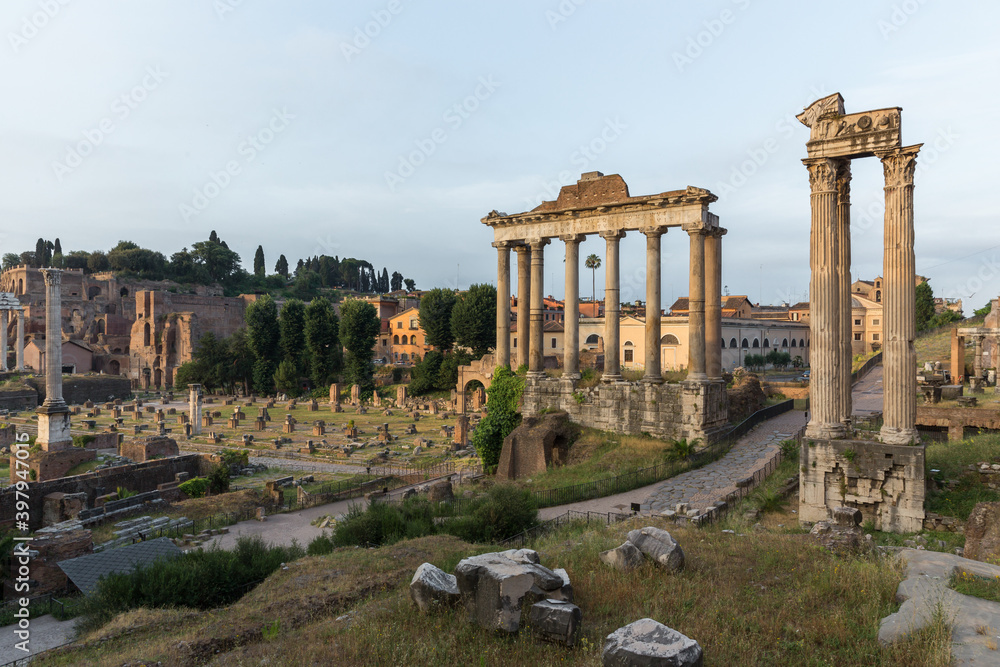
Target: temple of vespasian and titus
{"x":885,"y":480}
{"x":598,"y":204}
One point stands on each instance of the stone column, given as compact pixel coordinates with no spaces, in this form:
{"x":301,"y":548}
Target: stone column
{"x":571,"y":335}
{"x":5,"y":319}
{"x":612,"y":308}
{"x":957,"y":357}
{"x":845,"y":403}
{"x":824,"y":304}
{"x":194,"y":408}
{"x":977,"y":363}
{"x":899,"y":358}
{"x":713,"y":304}
{"x":20,"y":340}
{"x":53,"y":414}
{"x":523,"y":303}
{"x":536,"y":350}
{"x":696,"y":306}
{"x":654,"y":368}
{"x":503,"y":304}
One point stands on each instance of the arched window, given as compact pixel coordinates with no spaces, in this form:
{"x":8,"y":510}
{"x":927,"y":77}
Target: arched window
{"x":404,"y":357}
{"x":629,"y":355}
{"x":669,"y":339}
{"x":756,"y":343}
{"x":746,"y":344}
{"x":593,"y":339}
{"x":93,"y":291}
{"x":100,"y":329}
{"x":802,"y":343}
{"x":405,"y":340}
{"x":767,"y":343}
{"x":723,"y":342}
{"x":413,"y":340}
{"x":733,"y":344}
{"x":395,"y":339}
{"x":784,"y":342}
{"x":20,"y":286}
{"x":878,"y":296}
{"x":793,"y":343}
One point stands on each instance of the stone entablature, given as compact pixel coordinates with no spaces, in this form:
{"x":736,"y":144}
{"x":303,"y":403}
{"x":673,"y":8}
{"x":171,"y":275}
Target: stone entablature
{"x":885,"y":482}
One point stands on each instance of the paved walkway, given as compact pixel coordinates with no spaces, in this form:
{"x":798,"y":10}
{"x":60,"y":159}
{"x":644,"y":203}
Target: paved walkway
{"x":46,"y":632}
{"x":867,"y":393}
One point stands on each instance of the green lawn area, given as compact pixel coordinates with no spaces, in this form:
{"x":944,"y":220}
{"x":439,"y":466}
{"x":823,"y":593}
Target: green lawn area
{"x":979,"y":587}
{"x":87,"y":466}
{"x":937,"y":346}
{"x":952,"y":459}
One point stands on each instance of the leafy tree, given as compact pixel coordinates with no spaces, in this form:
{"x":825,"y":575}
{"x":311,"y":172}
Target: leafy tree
{"x":943,"y":318}
{"x":778,"y":359}
{"x":258,"y":262}
{"x":925,"y":305}
{"x":474,"y":319}
{"x":263,"y":339}
{"x":281,"y":267}
{"x":10,"y":260}
{"x":307,"y":282}
{"x":425,"y":373}
{"x":435,"y":317}
{"x":221,"y":262}
{"x":502,"y":417}
{"x":359,"y":327}
{"x":447,"y":375}
{"x":40,"y":258}
{"x":57,"y":260}
{"x":293,"y":336}
{"x":754,"y":361}
{"x":286,"y":379}
{"x":57,"y":248}
{"x":97,"y":262}
{"x":411,"y":284}
{"x":396,"y":283}
{"x":322,"y":337}
{"x":28,"y":258}
{"x":76,"y":259}
{"x":239,"y":370}
{"x":979,"y":312}
{"x":383,"y":281}
{"x":593,"y":262}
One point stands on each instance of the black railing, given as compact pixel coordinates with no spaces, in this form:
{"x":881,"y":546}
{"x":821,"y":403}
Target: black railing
{"x":867,"y":367}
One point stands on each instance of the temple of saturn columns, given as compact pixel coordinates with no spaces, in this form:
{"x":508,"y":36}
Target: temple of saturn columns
{"x":598,"y":204}
{"x":884,"y":479}
{"x":10,"y":304}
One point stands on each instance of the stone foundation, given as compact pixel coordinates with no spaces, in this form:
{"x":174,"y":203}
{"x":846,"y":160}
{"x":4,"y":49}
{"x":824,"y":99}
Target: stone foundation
{"x":149,"y":448}
{"x":885,"y":482}
{"x":689,"y":410}
{"x":52,"y":465}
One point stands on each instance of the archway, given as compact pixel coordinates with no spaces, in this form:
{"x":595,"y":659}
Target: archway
{"x":669,"y":345}
{"x":145,"y":335}
{"x":469,"y":391}
{"x":114,"y":368}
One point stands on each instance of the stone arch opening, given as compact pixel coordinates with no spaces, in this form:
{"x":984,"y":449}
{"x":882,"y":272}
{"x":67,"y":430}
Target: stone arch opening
{"x":93,"y":291}
{"x":114,"y":368}
{"x":784,"y":342}
{"x":756,"y":344}
{"x":746,"y":344}
{"x":733,"y":344}
{"x":671,"y":339}
{"x":767,"y":343}
{"x":145,"y":334}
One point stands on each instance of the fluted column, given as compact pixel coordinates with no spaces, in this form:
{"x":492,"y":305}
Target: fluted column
{"x":194,"y":408}
{"x":612,"y":308}
{"x":654,"y":365}
{"x":571,"y":335}
{"x":845,"y":403}
{"x":536,"y":350}
{"x":523,"y":303}
{"x":5,"y":319}
{"x":824,"y":303}
{"x":503,"y":304}
{"x":713,"y":304}
{"x":696,"y":306}
{"x":53,"y":338}
{"x":20,"y":340}
{"x":977,"y":363}
{"x":899,"y":326}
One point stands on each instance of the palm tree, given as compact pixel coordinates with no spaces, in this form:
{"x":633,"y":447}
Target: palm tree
{"x":593,"y":263}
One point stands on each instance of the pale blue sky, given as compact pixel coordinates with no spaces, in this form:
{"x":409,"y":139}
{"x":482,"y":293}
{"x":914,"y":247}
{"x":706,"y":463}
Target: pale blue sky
{"x":201,"y":76}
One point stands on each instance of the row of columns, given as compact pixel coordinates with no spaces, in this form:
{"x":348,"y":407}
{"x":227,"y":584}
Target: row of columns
{"x":4,"y":321}
{"x":830,"y":298}
{"x":705,"y":307}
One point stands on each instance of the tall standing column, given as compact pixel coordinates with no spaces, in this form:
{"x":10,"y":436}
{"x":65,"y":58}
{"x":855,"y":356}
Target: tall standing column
{"x":696,"y":306}
{"x":845,"y":403}
{"x":20,"y":340}
{"x":536,"y":351}
{"x":523,"y":303}
{"x":5,"y":320}
{"x":713,"y":304}
{"x":654,"y":366}
{"x":571,"y":335}
{"x":53,"y":413}
{"x":899,"y":298}
{"x":194,"y":408}
{"x":503,"y":304}
{"x":977,"y":363}
{"x":824,"y":303}
{"x":612,"y":308}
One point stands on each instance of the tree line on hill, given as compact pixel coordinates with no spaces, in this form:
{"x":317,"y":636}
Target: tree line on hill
{"x":212,"y":261}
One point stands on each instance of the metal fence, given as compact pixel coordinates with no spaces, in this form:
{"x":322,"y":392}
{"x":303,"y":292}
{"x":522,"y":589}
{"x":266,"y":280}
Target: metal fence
{"x":867,"y":367}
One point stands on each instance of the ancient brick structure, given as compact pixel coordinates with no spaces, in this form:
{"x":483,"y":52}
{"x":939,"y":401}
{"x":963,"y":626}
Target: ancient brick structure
{"x":149,"y":448}
{"x":45,"y":572}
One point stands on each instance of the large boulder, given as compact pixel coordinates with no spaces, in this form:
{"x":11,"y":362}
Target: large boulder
{"x":441,"y":492}
{"x":556,"y":621}
{"x":625,"y":558}
{"x":843,"y":535}
{"x":495,"y":586}
{"x":646,"y":643}
{"x":539,"y":442}
{"x":433,"y":587}
{"x":982,"y":533}
{"x":660,"y":546}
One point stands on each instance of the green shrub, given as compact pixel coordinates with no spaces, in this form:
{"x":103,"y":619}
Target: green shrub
{"x":195,"y":488}
{"x":321,"y":545}
{"x":218,"y":479}
{"x":83,"y":440}
{"x":124,"y":493}
{"x":502,"y":416}
{"x":503,"y":512}
{"x":682,"y":449}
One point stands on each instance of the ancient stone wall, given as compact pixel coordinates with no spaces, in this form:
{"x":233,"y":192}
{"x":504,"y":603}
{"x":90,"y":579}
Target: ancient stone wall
{"x":885,"y":482}
{"x":79,"y":389}
{"x":45,"y":573}
{"x":26,"y":399}
{"x":663,"y":410}
{"x":140,"y":477}
{"x":149,"y":448}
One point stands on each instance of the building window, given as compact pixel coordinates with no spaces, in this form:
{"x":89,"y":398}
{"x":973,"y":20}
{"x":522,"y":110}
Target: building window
{"x":874,"y":323}
{"x":405,"y":340}
{"x":857,"y":336}
{"x":628,"y":355}
{"x":732,"y":343}
{"x":857,"y":322}
{"x":874,"y":336}
{"x":553,"y":343}
{"x":399,"y":325}
{"x":746,"y":344}
{"x":515,"y":342}
{"x":756,"y":343}
{"x":395,"y":339}
{"x":793,"y":343}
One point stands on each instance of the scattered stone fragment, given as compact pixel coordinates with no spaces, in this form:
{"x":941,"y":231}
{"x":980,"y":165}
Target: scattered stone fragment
{"x":649,"y":643}
{"x":556,"y":621}
{"x":433,"y":587}
{"x":660,"y":546}
{"x":625,"y":558}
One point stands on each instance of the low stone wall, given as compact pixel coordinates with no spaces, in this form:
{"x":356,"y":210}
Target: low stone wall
{"x":956,"y":419}
{"x":45,"y":573}
{"x":689,"y":410}
{"x":78,"y":389}
{"x":18,"y":400}
{"x":53,"y":465}
{"x":150,"y":448}
{"x":141,"y":477}
{"x":885,"y":482}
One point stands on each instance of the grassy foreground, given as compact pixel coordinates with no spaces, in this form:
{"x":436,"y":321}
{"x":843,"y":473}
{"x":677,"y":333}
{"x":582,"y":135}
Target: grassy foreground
{"x":760,"y":598}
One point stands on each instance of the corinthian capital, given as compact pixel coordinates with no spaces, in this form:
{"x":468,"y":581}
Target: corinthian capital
{"x":823,"y":174}
{"x":899,"y":166}
{"x":52,"y":277}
